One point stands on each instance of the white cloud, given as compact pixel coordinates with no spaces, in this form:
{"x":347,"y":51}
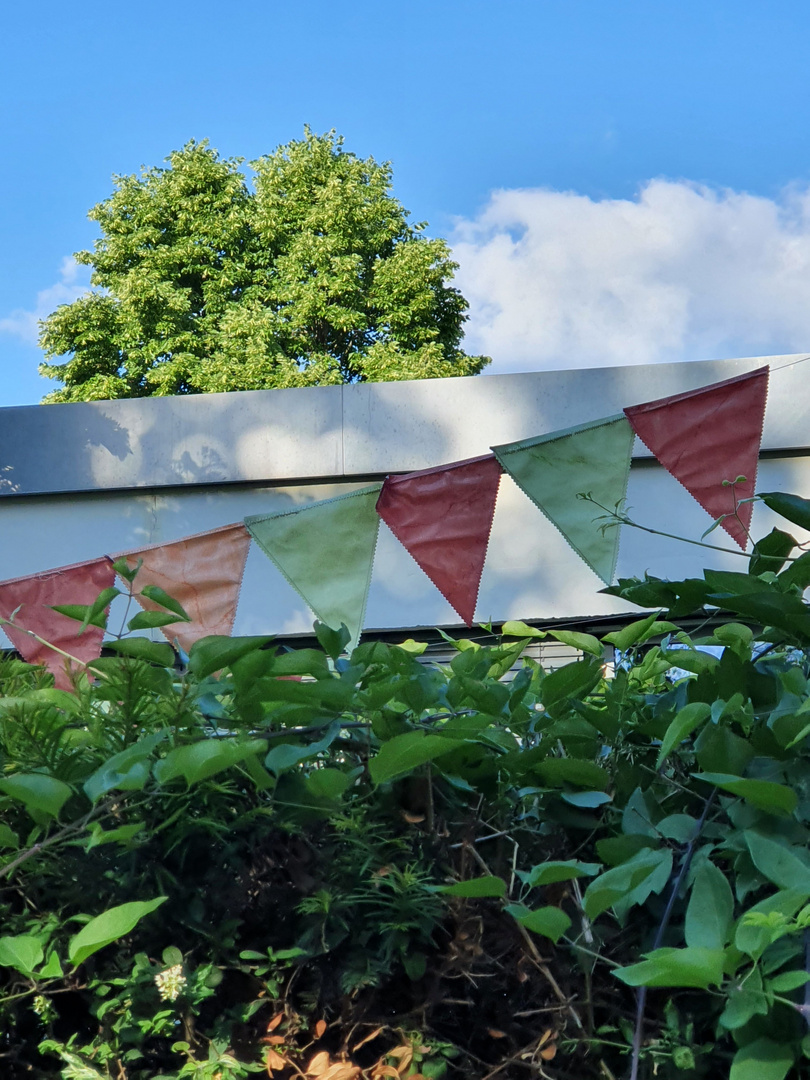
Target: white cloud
{"x":683,"y":272}
{"x":74,"y":280}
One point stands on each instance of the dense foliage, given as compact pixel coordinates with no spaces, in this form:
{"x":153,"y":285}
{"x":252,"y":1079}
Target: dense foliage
{"x":315,"y":276}
{"x":309,"y":864}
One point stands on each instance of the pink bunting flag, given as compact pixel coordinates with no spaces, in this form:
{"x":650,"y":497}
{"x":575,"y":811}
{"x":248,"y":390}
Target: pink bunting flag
{"x":443,"y":517}
{"x":202,"y":572}
{"x":30,"y":599}
{"x":706,"y":436}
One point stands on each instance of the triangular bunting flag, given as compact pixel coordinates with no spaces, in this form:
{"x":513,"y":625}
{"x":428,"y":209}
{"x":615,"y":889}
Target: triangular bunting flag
{"x":34,"y":595}
{"x":203,"y":573}
{"x":326,"y":551}
{"x":443,"y":517}
{"x":706,"y":436}
{"x":555,"y":469}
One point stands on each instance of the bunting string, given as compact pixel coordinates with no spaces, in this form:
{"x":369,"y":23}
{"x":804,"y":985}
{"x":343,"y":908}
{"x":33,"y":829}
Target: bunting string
{"x":709,"y":439}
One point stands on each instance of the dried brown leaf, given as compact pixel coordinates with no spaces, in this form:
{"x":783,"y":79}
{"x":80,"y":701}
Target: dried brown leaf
{"x":399,"y":1051}
{"x":341,"y":1070}
{"x":275,"y":1040}
{"x":275,"y":1021}
{"x":319,"y":1064}
{"x":405,"y":1063}
{"x":381,"y":1071}
{"x":495,"y":1033}
{"x":275,"y":1062}
{"x":320,"y":1028}
{"x":368,"y":1038}
{"x":548,"y":1053}
{"x":413,"y":819}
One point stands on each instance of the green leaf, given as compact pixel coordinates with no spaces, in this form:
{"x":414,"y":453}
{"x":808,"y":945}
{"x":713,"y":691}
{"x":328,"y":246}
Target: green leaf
{"x":122,"y":770}
{"x":586,"y":643}
{"x":632,"y":634}
{"x":82,"y":613}
{"x":108,"y":927}
{"x":787,"y":981}
{"x":201,"y":760}
{"x":23,"y":952}
{"x":613,"y":885}
{"x":476,"y":887}
{"x":300,"y":662}
{"x":570,"y":680}
{"x":752,"y":939}
{"x":94,"y":614}
{"x":551,"y":922}
{"x":764,"y":794}
{"x":413,"y":648}
{"x":710,"y":910}
{"x":404,"y":753}
{"x":125,"y":571}
{"x":158,"y":596}
{"x":37,"y":791}
{"x":547,"y":873}
{"x":122,"y":835}
{"x":695,"y":967}
{"x":791,"y":507}
{"x":798,"y":572}
{"x":679,"y":827}
{"x":8,"y":838}
{"x":46,"y":695}
{"x":682,"y":726}
{"x":287,"y":755}
{"x":777,"y":863}
{"x":762,"y":1059}
{"x":148,"y":620}
{"x":328,"y":783}
{"x":213,"y":653}
{"x":771,"y":552}
{"x":588,"y":800}
{"x":141,"y":648}
{"x":691,"y":660}
{"x":52,"y":969}
{"x":515,"y":628}
{"x":415,"y":965}
{"x":615,"y":850}
{"x":333,"y":642}
{"x":578,"y":771}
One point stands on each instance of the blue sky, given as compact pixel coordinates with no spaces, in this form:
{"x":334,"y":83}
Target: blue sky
{"x":588,"y":98}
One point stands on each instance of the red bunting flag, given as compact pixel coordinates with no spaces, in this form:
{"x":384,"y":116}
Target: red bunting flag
{"x":708,"y":436}
{"x":443,"y":517}
{"x":202,"y":572}
{"x":30,"y":600}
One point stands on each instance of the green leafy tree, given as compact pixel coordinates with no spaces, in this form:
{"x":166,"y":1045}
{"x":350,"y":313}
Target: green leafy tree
{"x":202,"y":284}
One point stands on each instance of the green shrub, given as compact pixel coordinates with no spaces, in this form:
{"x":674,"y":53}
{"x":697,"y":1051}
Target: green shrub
{"x":302,"y":863}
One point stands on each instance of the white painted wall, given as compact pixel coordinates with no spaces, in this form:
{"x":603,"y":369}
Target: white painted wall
{"x":530,"y":572}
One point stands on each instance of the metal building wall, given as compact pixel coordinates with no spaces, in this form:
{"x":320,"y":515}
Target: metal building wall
{"x":81,"y":480}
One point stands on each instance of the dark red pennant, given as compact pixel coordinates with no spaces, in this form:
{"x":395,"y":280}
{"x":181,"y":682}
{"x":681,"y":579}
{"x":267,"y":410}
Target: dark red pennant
{"x":77,"y":584}
{"x":443,"y":517}
{"x":706,"y":436}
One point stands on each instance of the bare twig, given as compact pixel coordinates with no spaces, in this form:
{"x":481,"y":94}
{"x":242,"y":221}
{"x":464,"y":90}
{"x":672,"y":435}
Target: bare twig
{"x":62,"y":834}
{"x":641,"y":997}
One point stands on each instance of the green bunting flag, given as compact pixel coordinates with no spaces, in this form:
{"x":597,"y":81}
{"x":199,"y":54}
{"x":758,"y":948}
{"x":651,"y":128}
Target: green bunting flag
{"x":555,"y":469}
{"x":326,"y":551}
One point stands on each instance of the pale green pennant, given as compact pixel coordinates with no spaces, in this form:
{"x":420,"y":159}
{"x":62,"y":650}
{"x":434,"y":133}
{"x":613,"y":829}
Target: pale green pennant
{"x":557,"y":469}
{"x":326,"y":552}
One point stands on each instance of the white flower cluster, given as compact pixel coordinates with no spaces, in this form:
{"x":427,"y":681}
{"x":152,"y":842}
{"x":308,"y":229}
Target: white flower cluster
{"x":171,"y":983}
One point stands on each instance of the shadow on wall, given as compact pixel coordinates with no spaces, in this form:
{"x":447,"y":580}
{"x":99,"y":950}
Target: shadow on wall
{"x":52,"y":447}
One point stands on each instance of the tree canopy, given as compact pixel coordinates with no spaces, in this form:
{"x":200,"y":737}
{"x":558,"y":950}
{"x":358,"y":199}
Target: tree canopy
{"x":202,"y":283}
